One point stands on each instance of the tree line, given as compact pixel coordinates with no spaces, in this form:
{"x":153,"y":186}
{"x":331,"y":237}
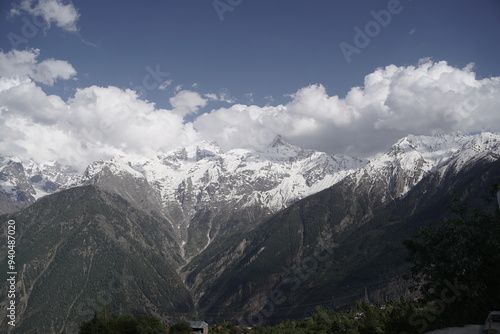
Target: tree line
{"x":455,"y":267}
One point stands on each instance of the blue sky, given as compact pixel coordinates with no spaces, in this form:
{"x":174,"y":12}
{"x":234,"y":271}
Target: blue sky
{"x":266,"y":54}
{"x":268,"y":48}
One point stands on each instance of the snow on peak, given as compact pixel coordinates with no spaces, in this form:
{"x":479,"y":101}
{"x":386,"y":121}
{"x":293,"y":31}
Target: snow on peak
{"x":202,"y":174}
{"x":477,"y":146}
{"x":412,"y":157}
{"x":273,"y":177}
{"x":25,"y":180}
{"x":194,"y":152}
{"x":278,"y":141}
{"x":280,"y":149}
{"x":119,"y":165}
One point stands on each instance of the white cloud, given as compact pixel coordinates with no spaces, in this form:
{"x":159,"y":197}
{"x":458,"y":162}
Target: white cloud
{"x":119,"y":119}
{"x":242,"y":126}
{"x":211,"y":96}
{"x":187,"y":102}
{"x":98,"y":122}
{"x":224,"y":96}
{"x":165,"y":84}
{"x":314,"y":102}
{"x":23,"y":64}
{"x":393,"y":102}
{"x":28,"y":101}
{"x":64,"y":16}
{"x":50,"y":70}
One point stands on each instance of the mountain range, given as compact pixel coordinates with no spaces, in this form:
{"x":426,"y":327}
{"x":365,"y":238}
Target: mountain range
{"x":197,"y":189}
{"x":252,"y":236}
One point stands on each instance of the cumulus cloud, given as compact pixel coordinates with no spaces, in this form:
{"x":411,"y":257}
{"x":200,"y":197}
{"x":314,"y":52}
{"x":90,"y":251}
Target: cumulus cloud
{"x":96,"y":123}
{"x":116,"y":120}
{"x":24,"y":64}
{"x":99,"y":122}
{"x":313,"y":102}
{"x":428,"y":98}
{"x":242,"y":126}
{"x":187,"y":102}
{"x":64,"y":16}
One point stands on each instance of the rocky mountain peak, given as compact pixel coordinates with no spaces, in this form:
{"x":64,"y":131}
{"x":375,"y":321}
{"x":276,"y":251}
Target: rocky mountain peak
{"x":281,"y":149}
{"x":185,"y":182}
{"x":412,"y":157}
{"x":195,"y":152}
{"x":279,"y":140}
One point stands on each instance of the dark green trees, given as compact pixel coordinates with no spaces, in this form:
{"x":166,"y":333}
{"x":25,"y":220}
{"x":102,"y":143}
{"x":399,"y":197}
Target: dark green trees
{"x":123,"y":324}
{"x":456,"y":265}
{"x":180,"y":328}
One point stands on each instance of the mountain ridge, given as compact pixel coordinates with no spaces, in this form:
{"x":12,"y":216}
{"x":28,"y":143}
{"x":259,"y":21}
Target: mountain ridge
{"x":44,"y":178}
{"x":232,"y":273}
{"x":185,"y":185}
{"x":365,"y":235}
{"x":199,"y":189}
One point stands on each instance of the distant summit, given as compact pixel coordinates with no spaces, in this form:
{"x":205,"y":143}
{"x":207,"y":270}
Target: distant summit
{"x":279,"y":140}
{"x":199,"y":229}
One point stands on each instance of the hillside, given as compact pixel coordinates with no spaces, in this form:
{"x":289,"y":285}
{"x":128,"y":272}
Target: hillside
{"x":114,"y":237}
{"x":334,"y":248}
{"x":83,"y":248}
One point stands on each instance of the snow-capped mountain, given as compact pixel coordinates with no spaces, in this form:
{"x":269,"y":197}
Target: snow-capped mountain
{"x":274,"y":177}
{"x":360,"y":223}
{"x":202,"y":190}
{"x":23,"y":182}
{"x":412,"y":157}
{"x":199,"y":220}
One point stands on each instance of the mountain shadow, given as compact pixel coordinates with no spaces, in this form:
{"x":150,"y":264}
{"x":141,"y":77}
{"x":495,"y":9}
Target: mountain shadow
{"x":83,"y":248}
{"x":335,"y":248}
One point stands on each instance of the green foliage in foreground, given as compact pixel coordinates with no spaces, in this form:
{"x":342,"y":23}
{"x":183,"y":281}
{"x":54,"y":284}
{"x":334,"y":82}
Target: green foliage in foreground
{"x":457,"y":265}
{"x":397,"y":317}
{"x":129,"y":324}
{"x":394,"y":318}
{"x":181,"y":327}
{"x":402,"y":316}
{"x":123,"y":324}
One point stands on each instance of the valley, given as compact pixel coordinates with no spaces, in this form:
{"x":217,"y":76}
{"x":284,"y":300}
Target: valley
{"x":252,"y":237}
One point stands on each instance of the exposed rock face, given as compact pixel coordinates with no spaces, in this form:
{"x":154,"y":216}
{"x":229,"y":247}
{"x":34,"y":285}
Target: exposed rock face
{"x":200,"y":190}
{"x":328,"y":248}
{"x":83,"y":248}
{"x":223,"y":233}
{"x":23,"y":182}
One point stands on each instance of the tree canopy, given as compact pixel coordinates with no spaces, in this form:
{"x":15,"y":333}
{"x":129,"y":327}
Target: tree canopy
{"x":123,"y":324}
{"x":457,"y":264}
